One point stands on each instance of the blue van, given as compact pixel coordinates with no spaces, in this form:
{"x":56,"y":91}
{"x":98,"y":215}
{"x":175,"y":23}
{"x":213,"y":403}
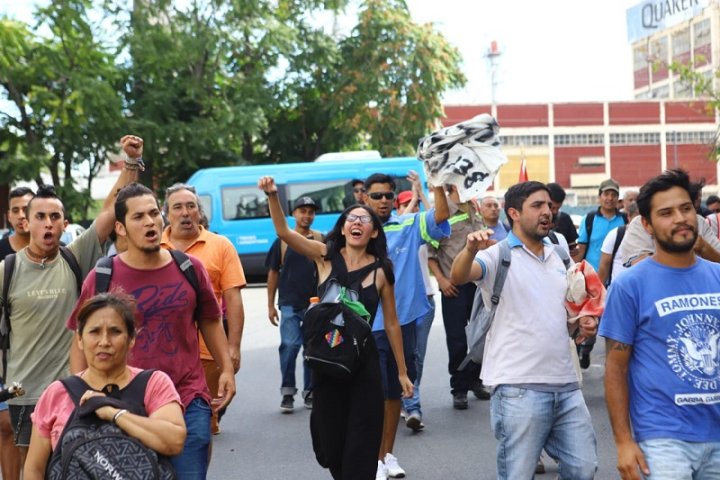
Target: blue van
{"x":236,"y":208}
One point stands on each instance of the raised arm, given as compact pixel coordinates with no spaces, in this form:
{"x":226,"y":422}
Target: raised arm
{"x":465,"y":268}
{"x":305,"y":246}
{"x":132,"y":147}
{"x":442,"y":211}
{"x":630,"y":457}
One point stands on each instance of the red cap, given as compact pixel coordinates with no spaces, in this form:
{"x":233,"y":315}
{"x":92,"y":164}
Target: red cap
{"x":404,"y":197}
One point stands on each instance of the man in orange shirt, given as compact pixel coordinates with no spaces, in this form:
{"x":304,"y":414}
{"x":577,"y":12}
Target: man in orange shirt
{"x":220,"y":259}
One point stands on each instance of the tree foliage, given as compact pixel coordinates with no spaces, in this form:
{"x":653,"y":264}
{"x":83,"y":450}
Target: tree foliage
{"x":213,"y":82}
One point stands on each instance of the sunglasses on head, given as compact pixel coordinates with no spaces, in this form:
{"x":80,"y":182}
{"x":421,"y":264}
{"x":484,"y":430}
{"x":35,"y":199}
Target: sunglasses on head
{"x":379,"y":195}
{"x":363,"y":218}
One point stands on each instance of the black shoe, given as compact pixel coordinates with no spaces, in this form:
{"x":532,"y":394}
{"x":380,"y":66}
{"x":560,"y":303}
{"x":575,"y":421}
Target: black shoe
{"x":308,"y":401}
{"x":288,"y":404}
{"x":585,"y":360}
{"x":479,"y":390}
{"x":460,"y":401}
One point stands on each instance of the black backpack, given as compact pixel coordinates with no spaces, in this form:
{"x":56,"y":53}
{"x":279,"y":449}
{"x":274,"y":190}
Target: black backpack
{"x":5,"y":308}
{"x":335,"y":334}
{"x":91,"y":448}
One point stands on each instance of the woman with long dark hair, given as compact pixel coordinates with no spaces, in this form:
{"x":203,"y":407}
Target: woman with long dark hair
{"x":347,"y":418}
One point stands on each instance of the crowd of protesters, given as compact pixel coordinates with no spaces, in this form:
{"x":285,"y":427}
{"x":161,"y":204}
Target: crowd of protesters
{"x":105,"y":318}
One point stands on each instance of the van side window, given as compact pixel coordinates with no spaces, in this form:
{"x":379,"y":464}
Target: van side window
{"x":329,"y":196}
{"x":244,"y":202}
{"x":206,"y":204}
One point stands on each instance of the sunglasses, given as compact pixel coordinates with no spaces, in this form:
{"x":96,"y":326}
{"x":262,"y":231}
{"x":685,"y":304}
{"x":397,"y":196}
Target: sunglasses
{"x":358,"y":190}
{"x":379,"y":195}
{"x":352,"y":218}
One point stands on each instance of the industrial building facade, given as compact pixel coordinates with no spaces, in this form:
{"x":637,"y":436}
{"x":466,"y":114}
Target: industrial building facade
{"x":580,"y":144}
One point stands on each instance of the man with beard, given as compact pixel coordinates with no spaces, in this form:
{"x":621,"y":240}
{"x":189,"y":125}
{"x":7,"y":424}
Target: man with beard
{"x":43,"y":290}
{"x":169,"y":314}
{"x":405,"y":234}
{"x":536,"y":401}
{"x":217,"y":254}
{"x":661,"y":378}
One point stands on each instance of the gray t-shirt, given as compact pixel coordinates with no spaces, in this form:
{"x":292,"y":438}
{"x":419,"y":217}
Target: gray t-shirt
{"x":41,"y":298}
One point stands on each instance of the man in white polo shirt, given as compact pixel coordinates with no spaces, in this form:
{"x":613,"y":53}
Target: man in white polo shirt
{"x":536,"y":401}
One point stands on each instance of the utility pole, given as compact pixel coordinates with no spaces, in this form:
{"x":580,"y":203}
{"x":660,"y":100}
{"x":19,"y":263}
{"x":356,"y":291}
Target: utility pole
{"x":492,"y":55}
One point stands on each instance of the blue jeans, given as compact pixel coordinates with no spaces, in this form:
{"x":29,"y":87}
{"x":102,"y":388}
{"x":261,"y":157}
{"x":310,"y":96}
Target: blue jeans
{"x":670,"y":459}
{"x":291,"y":339}
{"x":526,"y":421}
{"x":192,"y":463}
{"x":422,"y":333}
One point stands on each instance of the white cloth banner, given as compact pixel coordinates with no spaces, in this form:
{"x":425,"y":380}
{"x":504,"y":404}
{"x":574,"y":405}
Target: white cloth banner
{"x":466,"y":155}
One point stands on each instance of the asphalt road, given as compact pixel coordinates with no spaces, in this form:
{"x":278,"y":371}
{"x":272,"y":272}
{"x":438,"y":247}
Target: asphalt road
{"x":258,"y":442}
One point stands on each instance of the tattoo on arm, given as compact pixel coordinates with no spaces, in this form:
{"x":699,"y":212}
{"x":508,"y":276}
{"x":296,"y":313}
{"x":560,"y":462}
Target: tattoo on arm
{"x":619,"y":346}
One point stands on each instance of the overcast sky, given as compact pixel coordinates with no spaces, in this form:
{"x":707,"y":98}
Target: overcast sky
{"x":552,"y":50}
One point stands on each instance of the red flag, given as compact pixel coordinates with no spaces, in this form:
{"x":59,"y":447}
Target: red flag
{"x":523,"y":171}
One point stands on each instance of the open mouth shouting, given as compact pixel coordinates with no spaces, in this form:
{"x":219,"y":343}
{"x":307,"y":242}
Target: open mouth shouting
{"x":152,"y":236}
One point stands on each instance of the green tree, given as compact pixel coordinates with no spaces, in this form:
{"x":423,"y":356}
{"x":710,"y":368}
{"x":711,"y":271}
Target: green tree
{"x":392,"y":77}
{"x":64,"y":88}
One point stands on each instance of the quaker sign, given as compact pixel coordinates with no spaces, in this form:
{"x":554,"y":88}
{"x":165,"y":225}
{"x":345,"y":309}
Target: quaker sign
{"x":652,"y":16}
{"x":466,"y":155}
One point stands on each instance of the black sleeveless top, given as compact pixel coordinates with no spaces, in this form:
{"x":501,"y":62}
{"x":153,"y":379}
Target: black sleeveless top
{"x":368,"y":296}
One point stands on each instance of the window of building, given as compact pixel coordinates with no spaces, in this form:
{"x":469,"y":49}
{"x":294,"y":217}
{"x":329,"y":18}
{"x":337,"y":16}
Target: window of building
{"x":635,"y":138}
{"x":659,"y":50}
{"x":695,"y":138}
{"x":681,"y":43}
{"x":640,"y":57}
{"x":580,"y":139}
{"x":525,"y":140}
{"x":701,"y":33}
{"x":661,"y":92}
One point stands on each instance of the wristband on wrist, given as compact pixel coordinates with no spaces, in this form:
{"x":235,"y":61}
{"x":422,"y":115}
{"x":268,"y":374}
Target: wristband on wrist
{"x":117,"y":415}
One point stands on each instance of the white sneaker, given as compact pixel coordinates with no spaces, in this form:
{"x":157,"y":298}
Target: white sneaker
{"x":381,"y":472}
{"x":394,"y":470}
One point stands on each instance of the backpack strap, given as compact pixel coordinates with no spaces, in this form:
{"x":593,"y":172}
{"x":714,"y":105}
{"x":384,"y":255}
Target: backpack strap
{"x":187,"y":268}
{"x":103,"y":274}
{"x":589,"y":219}
{"x":478,"y":305}
{"x":564,"y":255}
{"x":5,"y":312}
{"x":75,"y":387}
{"x":553,"y":237}
{"x":69,"y":257}
{"x":618,"y":240}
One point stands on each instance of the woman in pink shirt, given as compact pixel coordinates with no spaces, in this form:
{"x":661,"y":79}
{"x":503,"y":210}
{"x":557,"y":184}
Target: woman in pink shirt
{"x":106,"y":333}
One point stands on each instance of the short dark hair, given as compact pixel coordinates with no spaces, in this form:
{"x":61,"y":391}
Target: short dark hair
{"x":518,"y":193}
{"x":127,"y":192}
{"x":45,"y":191}
{"x":20,"y":192}
{"x":557,"y":192}
{"x":379,"y":178}
{"x":176,"y":187}
{"x":119,"y":301}
{"x":712,"y":199}
{"x":663,"y":182}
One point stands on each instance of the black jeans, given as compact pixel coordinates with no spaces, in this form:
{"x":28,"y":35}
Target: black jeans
{"x":456,"y":313}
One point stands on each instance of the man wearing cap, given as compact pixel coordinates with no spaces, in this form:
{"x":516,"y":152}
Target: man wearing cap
{"x":294,"y":275}
{"x":594,"y":227}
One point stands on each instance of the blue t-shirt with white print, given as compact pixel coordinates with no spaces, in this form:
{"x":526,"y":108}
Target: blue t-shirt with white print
{"x":671,"y":317}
